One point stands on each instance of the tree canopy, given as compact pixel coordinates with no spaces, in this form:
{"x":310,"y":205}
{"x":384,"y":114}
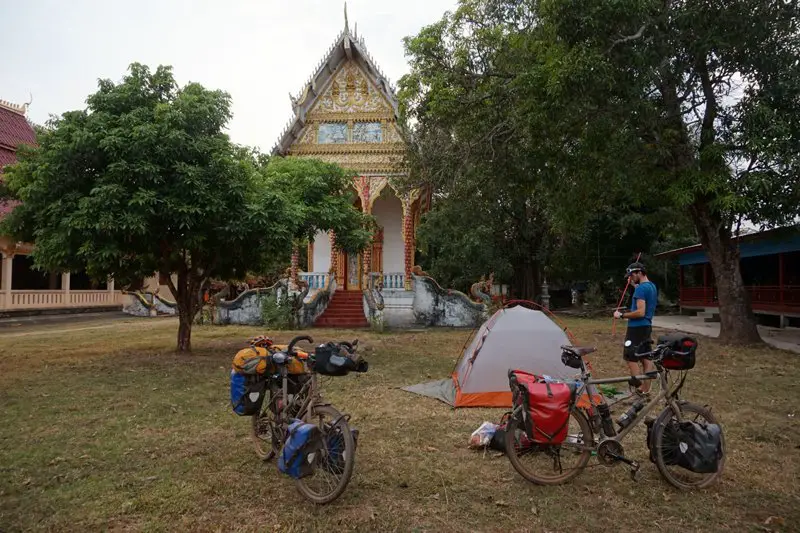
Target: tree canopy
{"x":675,"y":110}
{"x":144,"y":180}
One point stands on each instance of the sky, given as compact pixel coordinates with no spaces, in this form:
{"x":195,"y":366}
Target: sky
{"x":258,"y":51}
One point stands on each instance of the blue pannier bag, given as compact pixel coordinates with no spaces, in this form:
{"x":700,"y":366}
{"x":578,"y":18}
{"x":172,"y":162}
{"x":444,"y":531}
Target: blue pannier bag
{"x":303,"y":443}
{"x":247,"y":393}
{"x":335,"y":444}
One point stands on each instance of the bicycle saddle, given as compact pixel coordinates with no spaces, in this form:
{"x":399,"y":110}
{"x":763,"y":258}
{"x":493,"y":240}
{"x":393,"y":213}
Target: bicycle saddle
{"x":580,"y":351}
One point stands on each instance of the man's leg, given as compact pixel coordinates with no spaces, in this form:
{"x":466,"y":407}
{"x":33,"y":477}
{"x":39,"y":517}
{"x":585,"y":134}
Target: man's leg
{"x":628,"y":351}
{"x":649,"y":366}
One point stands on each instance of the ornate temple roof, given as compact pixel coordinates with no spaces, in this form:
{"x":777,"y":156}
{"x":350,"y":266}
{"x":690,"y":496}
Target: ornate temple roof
{"x":14,"y":130}
{"x":347,"y":46}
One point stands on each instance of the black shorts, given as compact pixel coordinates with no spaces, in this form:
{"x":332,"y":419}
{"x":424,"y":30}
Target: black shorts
{"x":638,"y":337}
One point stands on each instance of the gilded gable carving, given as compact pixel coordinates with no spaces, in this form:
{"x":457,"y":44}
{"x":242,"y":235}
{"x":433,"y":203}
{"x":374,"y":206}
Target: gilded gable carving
{"x":391,"y":134}
{"x":350,"y":91}
{"x":308,"y":135}
{"x":371,"y":140}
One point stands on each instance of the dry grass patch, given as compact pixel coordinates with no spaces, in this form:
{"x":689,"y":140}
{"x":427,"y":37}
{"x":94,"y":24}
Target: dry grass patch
{"x":109,"y":429}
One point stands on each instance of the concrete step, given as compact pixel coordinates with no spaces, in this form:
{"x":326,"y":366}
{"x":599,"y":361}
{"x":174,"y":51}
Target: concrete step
{"x":707,"y":316}
{"x":340,"y":324}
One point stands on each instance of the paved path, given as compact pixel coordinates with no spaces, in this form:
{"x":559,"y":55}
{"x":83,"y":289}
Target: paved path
{"x":785,"y":339}
{"x":53,"y":324}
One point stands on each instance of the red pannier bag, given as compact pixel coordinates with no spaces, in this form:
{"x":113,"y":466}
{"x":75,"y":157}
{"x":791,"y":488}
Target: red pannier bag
{"x":545,"y":406}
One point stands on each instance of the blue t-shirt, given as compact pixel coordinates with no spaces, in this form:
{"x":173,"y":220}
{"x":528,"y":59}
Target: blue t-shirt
{"x":645,"y":291}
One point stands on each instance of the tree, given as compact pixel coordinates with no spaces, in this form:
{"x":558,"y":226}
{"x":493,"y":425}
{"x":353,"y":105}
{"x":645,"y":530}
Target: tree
{"x":692,"y":106}
{"x":143,"y":180}
{"x":695,"y":102}
{"x":488,"y":214}
{"x":483,"y":139}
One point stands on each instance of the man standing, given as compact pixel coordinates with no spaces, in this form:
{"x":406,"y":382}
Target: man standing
{"x":640,"y":321}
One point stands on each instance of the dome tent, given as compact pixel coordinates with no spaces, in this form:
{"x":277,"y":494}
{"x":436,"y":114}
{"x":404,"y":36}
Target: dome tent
{"x":515,"y":337}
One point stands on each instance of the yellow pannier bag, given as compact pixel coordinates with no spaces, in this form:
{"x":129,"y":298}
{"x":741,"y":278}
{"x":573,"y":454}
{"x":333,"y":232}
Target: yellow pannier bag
{"x":253,"y":360}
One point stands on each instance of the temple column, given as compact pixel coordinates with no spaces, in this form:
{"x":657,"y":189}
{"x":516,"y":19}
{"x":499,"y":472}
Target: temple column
{"x":310,"y":254}
{"x":5,"y":281}
{"x":407,"y":200}
{"x":295,"y":263}
{"x":336,"y":272}
{"x":65,"y":287}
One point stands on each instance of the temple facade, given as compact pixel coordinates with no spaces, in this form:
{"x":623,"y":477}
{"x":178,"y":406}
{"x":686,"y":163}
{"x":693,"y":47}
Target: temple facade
{"x":347,"y":113}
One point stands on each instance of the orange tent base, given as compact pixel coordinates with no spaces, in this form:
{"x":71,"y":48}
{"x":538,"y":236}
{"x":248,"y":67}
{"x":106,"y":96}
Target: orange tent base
{"x":503,"y":398}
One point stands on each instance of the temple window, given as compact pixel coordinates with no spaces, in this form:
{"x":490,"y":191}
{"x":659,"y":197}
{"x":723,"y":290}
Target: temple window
{"x":332,"y":133}
{"x":367,"y":132}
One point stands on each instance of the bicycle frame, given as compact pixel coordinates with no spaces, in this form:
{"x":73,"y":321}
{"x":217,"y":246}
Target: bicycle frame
{"x":309,"y":392}
{"x":665,"y":395}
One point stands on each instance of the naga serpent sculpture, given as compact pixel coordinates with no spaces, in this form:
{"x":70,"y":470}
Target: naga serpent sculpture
{"x":482,"y":290}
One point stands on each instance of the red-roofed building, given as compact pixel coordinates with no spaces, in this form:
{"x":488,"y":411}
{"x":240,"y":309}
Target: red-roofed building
{"x":14,"y":131}
{"x":23,"y":289}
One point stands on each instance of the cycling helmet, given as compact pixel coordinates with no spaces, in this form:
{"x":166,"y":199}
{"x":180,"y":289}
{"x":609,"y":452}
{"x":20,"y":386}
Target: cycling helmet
{"x":261,"y":340}
{"x":634,"y":267}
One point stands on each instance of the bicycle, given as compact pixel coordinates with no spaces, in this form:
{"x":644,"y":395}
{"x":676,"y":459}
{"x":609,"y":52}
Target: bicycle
{"x":595,"y":419}
{"x":333,"y":466}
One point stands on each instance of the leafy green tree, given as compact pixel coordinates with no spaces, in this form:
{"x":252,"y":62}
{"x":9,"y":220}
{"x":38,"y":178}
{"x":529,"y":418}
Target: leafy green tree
{"x":691,"y":102}
{"x":143,"y":180}
{"x":631,"y":105}
{"x":488,"y":213}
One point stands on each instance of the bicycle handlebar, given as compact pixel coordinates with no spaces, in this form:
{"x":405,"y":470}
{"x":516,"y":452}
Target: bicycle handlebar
{"x":290,"y":348}
{"x":659,"y":350}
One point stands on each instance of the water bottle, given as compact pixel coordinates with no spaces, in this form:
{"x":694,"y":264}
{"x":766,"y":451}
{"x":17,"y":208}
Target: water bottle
{"x":626,"y":419}
{"x":605,"y":420}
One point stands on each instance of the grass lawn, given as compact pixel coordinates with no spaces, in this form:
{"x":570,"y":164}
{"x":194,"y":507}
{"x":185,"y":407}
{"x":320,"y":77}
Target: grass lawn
{"x":106,"y":428}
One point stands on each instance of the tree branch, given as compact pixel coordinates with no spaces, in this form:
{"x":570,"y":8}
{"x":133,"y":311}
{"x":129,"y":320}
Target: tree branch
{"x":707,"y":136}
{"x":628,"y":38}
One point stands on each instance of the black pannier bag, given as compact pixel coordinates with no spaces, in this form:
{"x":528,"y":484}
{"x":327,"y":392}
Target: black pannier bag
{"x":329,"y":361}
{"x":680,"y":351}
{"x":691,"y":445}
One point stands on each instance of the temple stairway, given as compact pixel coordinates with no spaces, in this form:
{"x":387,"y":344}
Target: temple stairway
{"x":345,"y":310}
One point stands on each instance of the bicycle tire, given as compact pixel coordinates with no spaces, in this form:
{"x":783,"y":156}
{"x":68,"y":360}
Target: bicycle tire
{"x":538,"y":479}
{"x":658,"y":441}
{"x":349,"y":459}
{"x":259,"y":444}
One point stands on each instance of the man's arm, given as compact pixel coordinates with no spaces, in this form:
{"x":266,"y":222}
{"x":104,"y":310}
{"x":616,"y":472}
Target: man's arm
{"x":640,"y":310}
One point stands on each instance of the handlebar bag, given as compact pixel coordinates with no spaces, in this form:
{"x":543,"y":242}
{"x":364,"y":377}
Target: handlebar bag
{"x":247,"y":393}
{"x":545,"y":406}
{"x":680,"y":351}
{"x":329,"y":361}
{"x":301,"y":447}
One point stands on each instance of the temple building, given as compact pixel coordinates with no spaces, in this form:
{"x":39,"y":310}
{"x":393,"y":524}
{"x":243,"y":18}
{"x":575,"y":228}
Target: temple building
{"x":770,"y":266}
{"x":347,"y":113}
{"x":24,"y":290}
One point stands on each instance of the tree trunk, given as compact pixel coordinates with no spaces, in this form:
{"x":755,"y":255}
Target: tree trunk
{"x":184,"y":332}
{"x":526,"y":280}
{"x":187,"y":299}
{"x":737,"y":322}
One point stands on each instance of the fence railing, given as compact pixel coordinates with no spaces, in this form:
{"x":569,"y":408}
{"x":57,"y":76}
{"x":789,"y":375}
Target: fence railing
{"x":26,"y":299}
{"x":315,"y":280}
{"x":761,"y":297}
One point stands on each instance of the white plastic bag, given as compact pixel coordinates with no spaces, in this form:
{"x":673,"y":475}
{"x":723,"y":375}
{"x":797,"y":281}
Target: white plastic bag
{"x":482,"y":436}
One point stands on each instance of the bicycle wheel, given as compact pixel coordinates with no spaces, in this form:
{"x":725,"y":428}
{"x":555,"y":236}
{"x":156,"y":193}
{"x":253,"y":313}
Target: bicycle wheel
{"x":266,"y":443}
{"x":665,"y":447}
{"x":544,"y":464}
{"x":333,"y":466}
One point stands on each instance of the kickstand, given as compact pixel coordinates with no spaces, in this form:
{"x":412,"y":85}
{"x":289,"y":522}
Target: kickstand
{"x":636,"y":474}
